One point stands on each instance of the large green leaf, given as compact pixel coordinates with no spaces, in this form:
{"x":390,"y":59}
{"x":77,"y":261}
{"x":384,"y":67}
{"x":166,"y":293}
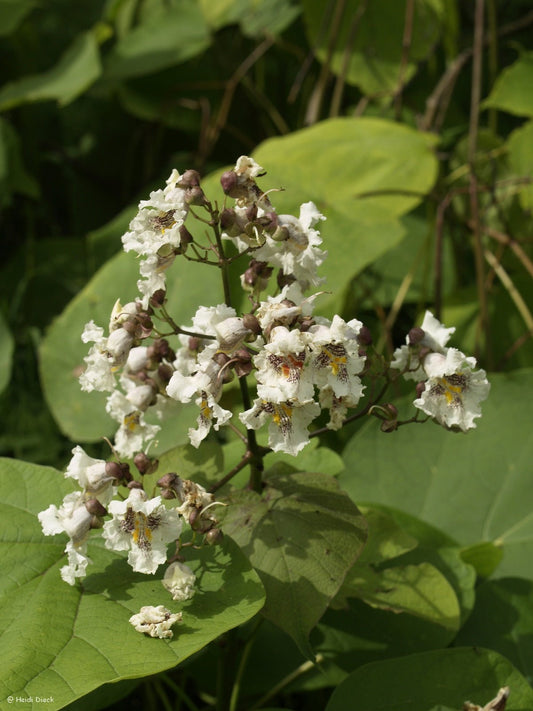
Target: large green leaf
{"x":512,"y":90}
{"x":255,"y":17}
{"x":433,"y":680}
{"x":77,"y":69}
{"x":302,"y":536}
{"x":63,"y":641}
{"x":82,"y":415}
{"x":362,"y":173}
{"x":373,"y":41}
{"x":503,"y":620}
{"x":475,"y":487}
{"x":7,"y":345}
{"x":167,"y":36}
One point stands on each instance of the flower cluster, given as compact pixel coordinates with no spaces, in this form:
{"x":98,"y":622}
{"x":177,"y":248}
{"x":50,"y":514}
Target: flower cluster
{"x":449,"y":389}
{"x":301,"y":366}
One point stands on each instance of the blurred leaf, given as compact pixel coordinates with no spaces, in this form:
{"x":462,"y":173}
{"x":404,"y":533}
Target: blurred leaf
{"x":82,"y":415}
{"x":302,"y":536}
{"x":512,"y":89}
{"x":503,"y":620}
{"x":77,"y":69}
{"x":65,"y":650}
{"x":362,"y":173}
{"x":520,"y":146}
{"x":430,"y":680}
{"x":255,"y":17}
{"x":165,"y":37}
{"x":13,"y":175}
{"x":373,"y":41}
{"x":12,"y":13}
{"x":7,"y":346}
{"x":483,"y":476}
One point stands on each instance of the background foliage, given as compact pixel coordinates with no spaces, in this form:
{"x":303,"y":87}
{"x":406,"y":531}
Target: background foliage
{"x":410,"y":124}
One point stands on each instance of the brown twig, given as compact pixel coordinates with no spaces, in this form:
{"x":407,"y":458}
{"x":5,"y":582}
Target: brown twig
{"x":338,"y":89}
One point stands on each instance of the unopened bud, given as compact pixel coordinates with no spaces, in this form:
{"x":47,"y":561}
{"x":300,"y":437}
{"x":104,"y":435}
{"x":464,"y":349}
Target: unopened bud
{"x":229,"y":181}
{"x":195,"y":196}
{"x":118,"y":470}
{"x":96,"y":522}
{"x":305,"y":323}
{"x":144,"y":464}
{"x":391,"y":410}
{"x":95,"y":508}
{"x":221,"y":358}
{"x":228,"y":218}
{"x":134,"y":485}
{"x":167,"y":480}
{"x":420,"y":387}
{"x":389,"y":425}
{"x":251,"y":322}
{"x":214,"y":536}
{"x":194,"y":343}
{"x":158,"y":298}
{"x":165,"y":372}
{"x":189,"y":179}
{"x":415,"y":335}
{"x":364,"y":337}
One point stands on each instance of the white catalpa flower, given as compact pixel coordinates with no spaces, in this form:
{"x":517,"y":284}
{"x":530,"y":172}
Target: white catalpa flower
{"x":179,"y":580}
{"x":155,"y":621}
{"x":104,"y":358}
{"x":338,"y":406}
{"x":134,"y":432}
{"x":72,"y":518}
{"x":336,"y":362}
{"x":298,"y":255}
{"x":144,"y":527}
{"x":281,"y":369}
{"x":247,"y":168}
{"x":288,"y":422}
{"x":205,"y":387}
{"x":453,"y":390}
{"x":283,"y":309}
{"x":435,"y":338}
{"x":91,"y":475}
{"x":158,"y":221}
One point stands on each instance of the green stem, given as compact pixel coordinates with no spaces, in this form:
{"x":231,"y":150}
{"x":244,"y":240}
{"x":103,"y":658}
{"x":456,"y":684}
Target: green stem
{"x":302,"y":669}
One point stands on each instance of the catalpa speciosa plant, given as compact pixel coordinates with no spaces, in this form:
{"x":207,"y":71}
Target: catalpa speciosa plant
{"x":297,"y":374}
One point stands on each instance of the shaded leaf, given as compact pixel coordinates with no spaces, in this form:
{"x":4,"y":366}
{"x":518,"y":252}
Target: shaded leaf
{"x":475,"y":487}
{"x":7,"y":345}
{"x":302,"y":536}
{"x":520,"y":146}
{"x":12,"y":13}
{"x":77,"y":69}
{"x":430,"y":680}
{"x":165,"y":37}
{"x":64,"y":641}
{"x":503,"y":620}
{"x":374,"y":47}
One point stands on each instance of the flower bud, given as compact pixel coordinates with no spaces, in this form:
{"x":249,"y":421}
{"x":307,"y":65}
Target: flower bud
{"x":364,"y":337}
{"x":158,"y":298}
{"x":229,"y":182}
{"x":189,"y":179}
{"x":389,"y":425}
{"x":420,"y":387}
{"x":168,"y":480}
{"x":195,"y":196}
{"x":251,"y":322}
{"x":118,"y":470}
{"x":144,"y":464}
{"x":95,"y":508}
{"x":228,"y":217}
{"x":165,"y":372}
{"x":214,"y":536}
{"x":415,"y":335}
{"x":134,"y":485}
{"x":194,"y":344}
